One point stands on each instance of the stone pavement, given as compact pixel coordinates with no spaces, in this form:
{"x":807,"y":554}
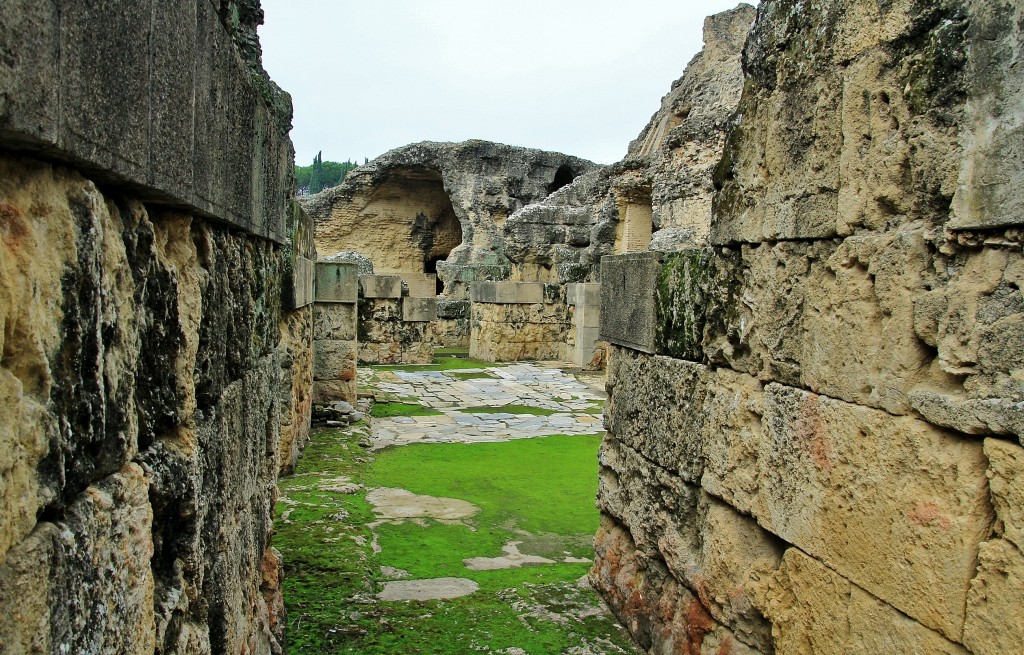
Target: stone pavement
{"x":570,"y":406}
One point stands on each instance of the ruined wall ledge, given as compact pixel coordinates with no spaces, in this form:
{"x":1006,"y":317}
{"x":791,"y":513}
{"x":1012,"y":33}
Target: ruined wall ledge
{"x":150,"y":97}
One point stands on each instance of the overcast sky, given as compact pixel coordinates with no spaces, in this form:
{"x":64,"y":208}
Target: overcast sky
{"x":576,"y":76}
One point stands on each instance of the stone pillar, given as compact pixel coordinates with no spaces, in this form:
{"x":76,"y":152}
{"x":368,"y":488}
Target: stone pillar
{"x":334,"y":333}
{"x":588,"y":350}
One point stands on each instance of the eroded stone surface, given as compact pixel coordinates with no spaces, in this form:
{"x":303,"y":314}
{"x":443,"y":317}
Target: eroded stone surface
{"x":429,"y":589}
{"x":399,"y":505}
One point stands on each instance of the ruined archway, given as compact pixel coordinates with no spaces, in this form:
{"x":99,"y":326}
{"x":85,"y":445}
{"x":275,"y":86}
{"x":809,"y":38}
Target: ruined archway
{"x":404,"y":224}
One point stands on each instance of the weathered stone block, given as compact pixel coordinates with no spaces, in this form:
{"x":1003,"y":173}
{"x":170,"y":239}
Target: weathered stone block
{"x":172,"y":99}
{"x":995,"y":600}
{"x":843,"y":483}
{"x":337,"y":282}
{"x":815,"y":610}
{"x":990,"y":190}
{"x":507,"y":293}
{"x":105,"y":77}
{"x":29,"y":75}
{"x":628,"y":284}
{"x":334,"y":322}
{"x":716,"y":552}
{"x":104,"y":544}
{"x":334,"y":360}
{"x":696,"y":302}
{"x":381,"y":286}
{"x":1006,"y":486}
{"x":588,"y":294}
{"x":588,"y":316}
{"x":655,"y":407}
{"x":303,"y":284}
{"x":419,"y":310}
{"x":421,"y":286}
{"x":453,"y":309}
{"x":661,"y":614}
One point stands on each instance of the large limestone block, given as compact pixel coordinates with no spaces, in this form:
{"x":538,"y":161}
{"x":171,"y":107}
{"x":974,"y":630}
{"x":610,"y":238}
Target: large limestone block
{"x":717,"y":553}
{"x":995,"y":622}
{"x":815,"y":611}
{"x":381,"y":286}
{"x":1006,"y":485}
{"x":661,"y":614}
{"x":334,"y":322}
{"x":419,"y":310}
{"x":995,"y":618}
{"x":507,"y":293}
{"x":697,"y":303}
{"x":733,"y":438}
{"x":975,"y":322}
{"x":859,"y":310}
{"x":655,"y":407}
{"x":917,"y":331}
{"x":844,"y":121}
{"x":990,"y":191}
{"x":29,"y":72}
{"x":337,"y":282}
{"x":893,"y":504}
{"x":104,"y":544}
{"x":334,"y":360}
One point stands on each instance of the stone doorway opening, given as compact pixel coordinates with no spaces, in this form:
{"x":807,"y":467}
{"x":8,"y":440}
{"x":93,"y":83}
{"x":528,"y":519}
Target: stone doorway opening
{"x":563,"y":177}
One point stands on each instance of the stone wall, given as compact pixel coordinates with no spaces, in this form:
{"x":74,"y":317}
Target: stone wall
{"x":814,"y":423}
{"x":144,"y":251}
{"x":513,"y":321}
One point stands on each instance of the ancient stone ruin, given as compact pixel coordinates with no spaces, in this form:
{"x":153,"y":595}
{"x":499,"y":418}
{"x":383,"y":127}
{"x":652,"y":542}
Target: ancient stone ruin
{"x":156,"y":328}
{"x":804,"y":281}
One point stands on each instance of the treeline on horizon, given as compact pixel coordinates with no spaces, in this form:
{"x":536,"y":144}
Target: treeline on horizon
{"x":321,"y":175}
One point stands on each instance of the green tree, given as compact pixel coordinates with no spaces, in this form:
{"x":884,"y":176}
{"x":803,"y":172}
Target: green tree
{"x":331,"y":173}
{"x":316,"y":178}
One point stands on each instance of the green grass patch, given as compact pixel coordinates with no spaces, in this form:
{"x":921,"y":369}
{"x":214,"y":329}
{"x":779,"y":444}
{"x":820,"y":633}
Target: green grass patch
{"x":509,"y":409}
{"x":439,"y":364}
{"x":543,"y":485}
{"x":451,"y":352}
{"x":470,"y":375}
{"x":389,"y":409}
{"x":538,"y":491}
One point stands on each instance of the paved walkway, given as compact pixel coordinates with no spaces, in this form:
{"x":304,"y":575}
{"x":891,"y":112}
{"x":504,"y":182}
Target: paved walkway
{"x":568,"y":405}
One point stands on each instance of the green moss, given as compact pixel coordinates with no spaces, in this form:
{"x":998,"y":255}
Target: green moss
{"x":388,"y":409}
{"x":470,"y":375}
{"x":509,"y":409}
{"x":543,"y":486}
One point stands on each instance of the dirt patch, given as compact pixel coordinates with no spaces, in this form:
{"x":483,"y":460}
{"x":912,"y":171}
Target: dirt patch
{"x":399,"y":505}
{"x":431,"y":589}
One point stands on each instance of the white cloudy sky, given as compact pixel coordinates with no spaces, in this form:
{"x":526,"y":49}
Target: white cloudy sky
{"x":577,"y":76}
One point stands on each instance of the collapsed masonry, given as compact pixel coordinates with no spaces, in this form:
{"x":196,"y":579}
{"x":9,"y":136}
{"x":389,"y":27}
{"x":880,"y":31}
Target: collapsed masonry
{"x":156,"y":363}
{"x":816,"y":409}
{"x":427,"y":224}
